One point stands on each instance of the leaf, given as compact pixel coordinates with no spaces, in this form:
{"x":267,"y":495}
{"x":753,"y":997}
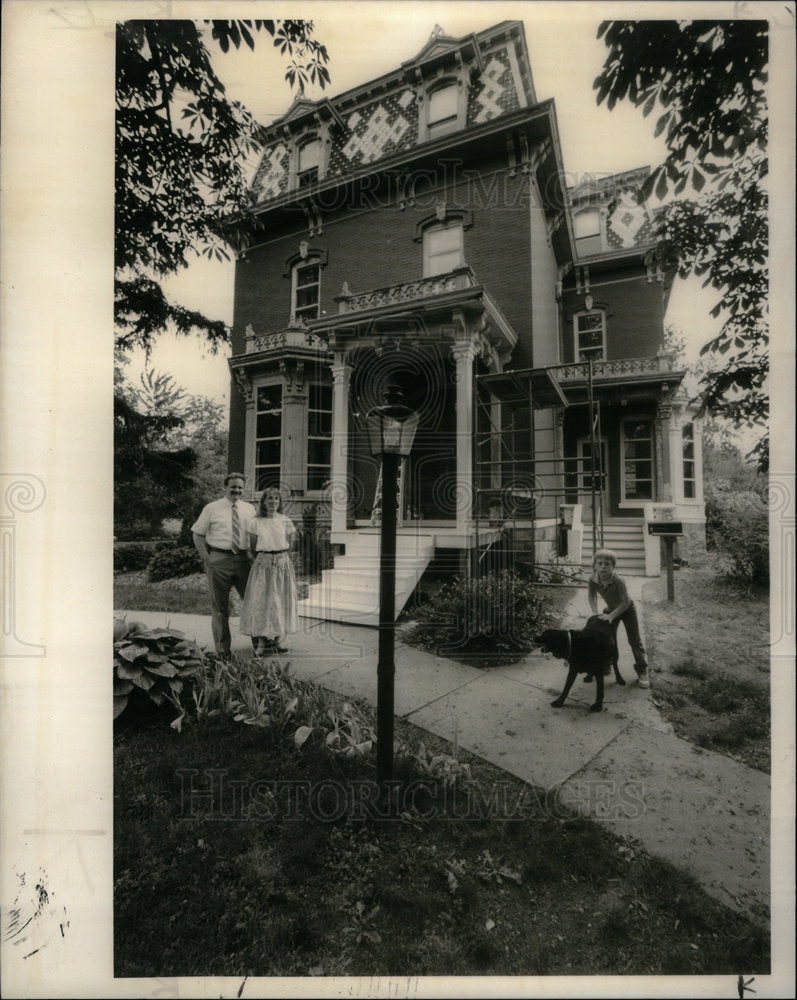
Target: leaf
{"x":128,"y":671}
{"x":132,"y":651}
{"x":162,"y":669}
{"x":144,"y":681}
{"x":302,"y":734}
{"x":177,"y":724}
{"x":122,"y":687}
{"x":119,"y":705}
{"x":489,"y":924}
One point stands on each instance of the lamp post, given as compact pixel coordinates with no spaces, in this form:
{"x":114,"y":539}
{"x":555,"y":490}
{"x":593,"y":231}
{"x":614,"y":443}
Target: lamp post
{"x":391,"y":430}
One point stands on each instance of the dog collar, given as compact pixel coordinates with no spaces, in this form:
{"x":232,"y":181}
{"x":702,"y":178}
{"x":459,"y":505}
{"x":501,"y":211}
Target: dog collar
{"x":569,"y":644}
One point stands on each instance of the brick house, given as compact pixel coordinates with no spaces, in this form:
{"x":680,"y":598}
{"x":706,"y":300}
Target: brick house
{"x":417,"y":230}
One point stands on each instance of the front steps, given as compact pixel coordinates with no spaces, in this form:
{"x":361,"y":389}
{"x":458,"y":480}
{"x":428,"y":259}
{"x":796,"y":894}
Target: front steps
{"x":625,"y":538}
{"x":349,"y":592}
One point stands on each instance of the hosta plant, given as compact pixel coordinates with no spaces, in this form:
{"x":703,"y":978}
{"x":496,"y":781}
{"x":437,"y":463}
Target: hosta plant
{"x":150,"y":663}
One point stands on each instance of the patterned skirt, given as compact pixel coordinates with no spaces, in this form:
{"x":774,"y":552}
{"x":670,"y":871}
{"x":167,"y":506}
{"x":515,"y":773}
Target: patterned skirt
{"x":269,"y":607}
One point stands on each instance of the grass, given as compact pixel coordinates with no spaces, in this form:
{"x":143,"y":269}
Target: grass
{"x":238,"y":852}
{"x":709,"y":653}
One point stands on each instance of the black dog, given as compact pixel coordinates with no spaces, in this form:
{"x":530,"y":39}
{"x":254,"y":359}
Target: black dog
{"x":592,"y":651}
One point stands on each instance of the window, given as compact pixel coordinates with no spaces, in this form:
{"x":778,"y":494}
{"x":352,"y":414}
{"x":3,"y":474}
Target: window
{"x":268,"y":435}
{"x":306,"y":290}
{"x":443,"y":110}
{"x":590,"y":330}
{"x":637,"y":462}
{"x":442,"y":249}
{"x":319,"y":435}
{"x":587,"y":230}
{"x":688,"y":441}
{"x":309,"y":163}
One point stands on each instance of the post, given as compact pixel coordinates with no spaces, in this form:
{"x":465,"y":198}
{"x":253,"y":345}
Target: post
{"x":669,"y":541}
{"x":386,"y":666}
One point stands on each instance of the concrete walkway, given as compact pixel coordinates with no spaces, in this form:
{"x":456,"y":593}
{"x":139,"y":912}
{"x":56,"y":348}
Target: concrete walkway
{"x":623,"y":767}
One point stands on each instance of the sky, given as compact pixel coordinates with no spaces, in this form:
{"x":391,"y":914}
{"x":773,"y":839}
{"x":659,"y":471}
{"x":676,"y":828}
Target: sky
{"x":593,"y":138}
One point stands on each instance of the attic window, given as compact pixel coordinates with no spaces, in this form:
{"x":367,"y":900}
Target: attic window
{"x":587,"y":229}
{"x":443,"y":110}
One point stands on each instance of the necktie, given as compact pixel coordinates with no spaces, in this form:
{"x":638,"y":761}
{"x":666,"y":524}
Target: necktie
{"x":236,"y":528}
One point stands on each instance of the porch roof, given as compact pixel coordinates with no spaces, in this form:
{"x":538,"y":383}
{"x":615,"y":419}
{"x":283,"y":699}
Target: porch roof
{"x":565,"y":385}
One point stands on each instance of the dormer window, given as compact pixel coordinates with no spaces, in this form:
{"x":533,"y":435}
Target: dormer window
{"x":309,"y":163}
{"x":587,"y":229}
{"x":590,"y":334}
{"x":443,"y":110}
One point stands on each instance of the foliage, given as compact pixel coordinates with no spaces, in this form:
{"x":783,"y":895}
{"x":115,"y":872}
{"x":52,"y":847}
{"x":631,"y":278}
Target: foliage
{"x":131,"y":556}
{"x":159,"y":422}
{"x":172,"y":561}
{"x":497,"y":614}
{"x":150,"y":663}
{"x":737,"y":526}
{"x":710,"y":79}
{"x":148,"y":476}
{"x":181,"y":152}
{"x":203,"y":819}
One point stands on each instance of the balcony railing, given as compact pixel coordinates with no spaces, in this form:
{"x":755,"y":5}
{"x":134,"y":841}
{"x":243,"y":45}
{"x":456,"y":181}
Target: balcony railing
{"x":295,"y":336}
{"x":659,"y":364}
{"x":409,"y":291}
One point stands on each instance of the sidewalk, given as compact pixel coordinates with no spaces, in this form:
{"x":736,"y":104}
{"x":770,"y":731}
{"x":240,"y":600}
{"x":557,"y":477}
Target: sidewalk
{"x":697,"y":809}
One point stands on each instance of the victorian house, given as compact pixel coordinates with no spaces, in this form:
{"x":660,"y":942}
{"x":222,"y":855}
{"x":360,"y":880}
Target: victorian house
{"x":418,"y":231}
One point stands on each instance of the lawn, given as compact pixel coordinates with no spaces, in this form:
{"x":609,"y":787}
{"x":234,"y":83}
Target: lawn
{"x":709,"y":654}
{"x":240,"y":852}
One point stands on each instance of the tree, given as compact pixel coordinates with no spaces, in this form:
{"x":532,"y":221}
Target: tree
{"x":709,"y":78}
{"x":181,"y":150}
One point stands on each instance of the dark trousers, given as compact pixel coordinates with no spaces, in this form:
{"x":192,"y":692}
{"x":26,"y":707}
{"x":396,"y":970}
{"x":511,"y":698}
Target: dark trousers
{"x":225,"y":571}
{"x":631,"y":622}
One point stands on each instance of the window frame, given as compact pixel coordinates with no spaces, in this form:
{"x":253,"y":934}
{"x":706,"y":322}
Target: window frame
{"x":267,"y":383}
{"x":303,"y":265}
{"x":327,"y":438}
{"x":576,"y":348}
{"x":688,"y":440}
{"x":453,"y":225}
{"x":448,"y":123}
{"x":626,"y":501}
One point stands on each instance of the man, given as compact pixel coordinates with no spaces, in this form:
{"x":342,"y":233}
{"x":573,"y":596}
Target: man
{"x":221,"y":539}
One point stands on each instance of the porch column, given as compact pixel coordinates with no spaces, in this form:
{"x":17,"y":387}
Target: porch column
{"x":339,"y":464}
{"x":464,"y":354}
{"x":661,"y":432}
{"x":675,"y":436}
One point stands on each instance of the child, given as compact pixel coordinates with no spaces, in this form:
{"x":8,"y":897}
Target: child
{"x":269,"y":607}
{"x":620,"y":607}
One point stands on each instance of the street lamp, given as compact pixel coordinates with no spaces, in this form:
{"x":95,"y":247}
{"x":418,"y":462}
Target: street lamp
{"x":391,"y":431}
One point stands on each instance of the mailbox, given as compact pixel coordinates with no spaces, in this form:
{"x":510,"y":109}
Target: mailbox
{"x":671,"y":529}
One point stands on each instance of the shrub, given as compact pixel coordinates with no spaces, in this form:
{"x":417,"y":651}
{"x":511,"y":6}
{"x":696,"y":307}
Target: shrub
{"x":737,"y":527}
{"x":128,"y":557}
{"x":498,"y":614}
{"x":150,"y":664}
{"x":178,"y":560}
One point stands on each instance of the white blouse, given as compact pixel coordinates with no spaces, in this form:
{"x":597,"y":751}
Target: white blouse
{"x":271,"y":534}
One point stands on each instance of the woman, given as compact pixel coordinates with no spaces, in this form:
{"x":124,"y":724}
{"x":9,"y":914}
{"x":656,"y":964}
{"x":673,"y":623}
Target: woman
{"x":269,"y":607}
